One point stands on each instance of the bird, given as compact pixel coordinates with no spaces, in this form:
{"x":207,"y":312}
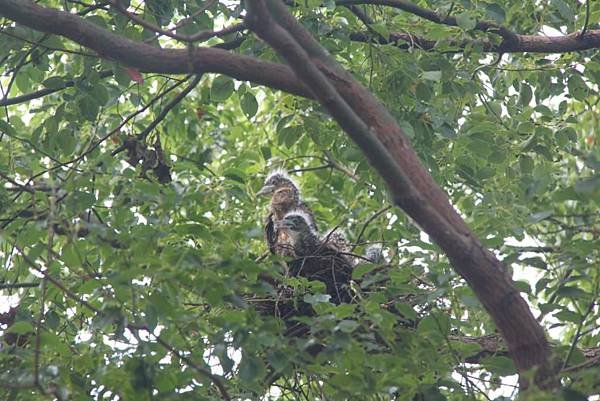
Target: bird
{"x":316,"y":259}
{"x":336,"y":238}
{"x":285,"y":196}
{"x":374,"y":254}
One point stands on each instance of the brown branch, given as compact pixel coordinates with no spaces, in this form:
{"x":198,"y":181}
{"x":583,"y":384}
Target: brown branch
{"x":485,"y":26}
{"x":525,"y":43}
{"x":18,"y":285}
{"x":204,"y":35}
{"x":44,"y":92}
{"x":493,"y":345}
{"x":147,"y":58}
{"x":412,"y":188}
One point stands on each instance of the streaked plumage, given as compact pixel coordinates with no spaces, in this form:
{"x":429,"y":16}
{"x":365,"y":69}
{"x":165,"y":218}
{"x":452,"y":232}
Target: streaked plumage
{"x":285,"y":196}
{"x":374,"y":254}
{"x":336,"y":238}
{"x":315,"y":259}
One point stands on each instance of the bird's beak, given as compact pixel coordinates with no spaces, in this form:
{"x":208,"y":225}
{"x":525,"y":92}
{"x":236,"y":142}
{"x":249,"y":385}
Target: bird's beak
{"x":266,"y":190}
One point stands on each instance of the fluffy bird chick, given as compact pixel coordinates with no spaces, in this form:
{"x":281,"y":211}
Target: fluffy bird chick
{"x":285,"y":196}
{"x":304,"y":239}
{"x":336,"y":238}
{"x":374,"y":253}
{"x":315,"y":259}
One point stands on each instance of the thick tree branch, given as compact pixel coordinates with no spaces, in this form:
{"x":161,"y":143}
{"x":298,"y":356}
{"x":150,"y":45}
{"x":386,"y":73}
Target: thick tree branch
{"x":147,"y":58}
{"x":412,"y":188}
{"x":525,"y":43}
{"x":485,"y":26}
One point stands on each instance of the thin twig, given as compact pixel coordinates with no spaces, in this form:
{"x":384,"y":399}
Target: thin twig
{"x":578,"y":333}
{"x":45,"y":92}
{"x":18,"y":285}
{"x":169,"y":106}
{"x":369,"y":221}
{"x":215,"y":379}
{"x":586,"y":21}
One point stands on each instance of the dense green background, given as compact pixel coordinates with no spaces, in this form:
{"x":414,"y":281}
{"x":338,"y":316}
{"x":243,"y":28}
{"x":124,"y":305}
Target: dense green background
{"x":513,"y":142}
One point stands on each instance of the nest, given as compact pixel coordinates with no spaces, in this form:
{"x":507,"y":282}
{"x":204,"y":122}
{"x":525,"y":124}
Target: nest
{"x":325,"y":265}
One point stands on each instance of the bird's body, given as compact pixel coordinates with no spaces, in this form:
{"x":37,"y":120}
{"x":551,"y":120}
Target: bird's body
{"x":285,"y":197}
{"x":337,"y":239}
{"x":315,"y":259}
{"x":374,"y":254}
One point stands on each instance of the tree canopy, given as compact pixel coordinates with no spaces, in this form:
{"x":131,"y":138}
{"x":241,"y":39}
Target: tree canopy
{"x":459,"y":135}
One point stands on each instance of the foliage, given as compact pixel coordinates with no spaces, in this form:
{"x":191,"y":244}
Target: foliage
{"x":135,"y":246}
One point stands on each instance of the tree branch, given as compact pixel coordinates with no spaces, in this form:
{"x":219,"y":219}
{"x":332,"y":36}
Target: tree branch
{"x":412,"y":188}
{"x":169,"y":106}
{"x":45,"y":92}
{"x":485,"y":26}
{"x":213,"y":378}
{"x":147,"y":58}
{"x":525,"y":43}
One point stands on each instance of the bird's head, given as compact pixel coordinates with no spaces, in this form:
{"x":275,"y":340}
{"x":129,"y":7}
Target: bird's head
{"x":278,"y":179}
{"x":296,"y":224}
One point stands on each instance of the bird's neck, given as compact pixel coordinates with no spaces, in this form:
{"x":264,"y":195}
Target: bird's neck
{"x":279,"y":209}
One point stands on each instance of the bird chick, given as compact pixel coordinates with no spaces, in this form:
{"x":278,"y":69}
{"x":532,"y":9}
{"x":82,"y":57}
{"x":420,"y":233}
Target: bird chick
{"x":336,"y":238}
{"x":304,"y":239}
{"x":285,"y":196}
{"x":315,"y":259}
{"x":374,"y":254}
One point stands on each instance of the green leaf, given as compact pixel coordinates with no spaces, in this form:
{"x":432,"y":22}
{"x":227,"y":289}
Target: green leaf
{"x":572,"y":292}
{"x":249,"y":105}
{"x":569,"y":394}
{"x":500,"y":365}
{"x":222,"y":87}
{"x":20,"y":327}
{"x":347,"y":326}
{"x":577,"y":87}
{"x":251,"y":368}
{"x":406,"y":310}
{"x":7,"y":129}
{"x":588,"y":185}
{"x":407,"y":128}
{"x":525,"y":94}
{"x":495,"y":12}
{"x":539,"y":216}
{"x":54,"y":83}
{"x":432,"y":75}
{"x":466,"y":21}
{"x":362,"y":269}
{"x":66,"y":141}
{"x":568,"y":316}
{"x":564,"y":10}
{"x":381,"y":29}
{"x":88,"y":107}
{"x":316,"y":298}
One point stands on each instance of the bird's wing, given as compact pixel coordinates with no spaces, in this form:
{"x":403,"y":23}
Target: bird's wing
{"x":270,"y":232}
